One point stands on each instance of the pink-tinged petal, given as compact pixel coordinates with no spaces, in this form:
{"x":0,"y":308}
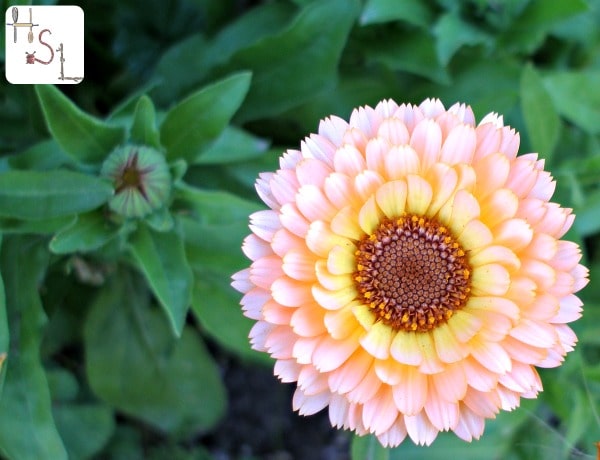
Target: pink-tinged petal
{"x":313,"y":204}
{"x":459,"y":146}
{"x":491,"y":355}
{"x":401,"y":161}
{"x":542,"y":247}
{"x":522,"y":290}
{"x":380,"y":412}
{"x":241,"y":281}
{"x":431,"y":107}
{"x":312,"y":172}
{"x":405,"y":348}
{"x":510,"y":142}
{"x":475,"y":235}
{"x":491,"y":279}
{"x":389,"y":371}
{"x":570,"y":309}
{"x":304,"y":348}
{"x":258,"y":335}
{"x":495,"y":255}
{"x":319,"y":148}
{"x":522,"y":176}
{"x":554,"y":358}
{"x":264,"y":224}
{"x":566,"y":256}
{"x":369,"y":216}
{"x":280,"y":342}
{"x":498,"y":305}
{"x":355,"y":419}
{"x":426,"y":140}
{"x":276,"y":314}
{"x":545,"y":337}
{"x":482,"y":404}
{"x":441,"y":413}
{"x":284,"y":186}
{"x":464,"y":325}
{"x":377,"y":340}
{"x":492,"y":172}
{"x":544,"y":186}
{"x":367,"y":183}
{"x":469,"y":426}
{"x":311,"y":381}
{"x":339,"y":190}
{"x":566,"y":336}
{"x":291,"y":293}
{"x":499,"y":206}
{"x":394,"y":130}
{"x":365,"y":119}
{"x":488,"y":141}
{"x":357,"y":138}
{"x":395,"y":435}
{"x":341,"y":260}
{"x":254,"y":248}
{"x":349,"y":160}
{"x":253,"y":301}
{"x":263,"y":189}
{"x":376,"y":152}
{"x":522,"y":352}
{"x":334,"y":300}
{"x":299,"y":265}
{"x":338,"y":410}
{"x":514,"y":233}
{"x":478,"y":376}
{"x":284,"y":241}
{"x":493,"y":118}
{"x":554,"y":220}
{"x":443,"y":181}
{"x":309,"y":405}
{"x":420,"y":429}
{"x":419,"y":195}
{"x":447,"y":122}
{"x":366,"y":389}
{"x":363,"y":315}
{"x":523,"y":378}
{"x":509,"y":400}
{"x":333,"y":128}
{"x":448,"y":348}
{"x":463,"y":112}
{"x":293,"y":220}
{"x":410,"y":115}
{"x":290,"y":159}
{"x":340,"y":323}
{"x":411,"y":393}
{"x":543,"y":307}
{"x":495,"y":325}
{"x":466,"y":177}
{"x":308,"y":320}
{"x":581,"y":275}
{"x":287,"y":370}
{"x":329,"y":280}
{"x":321,"y":240}
{"x":386,"y":108}
{"x":345,"y":223}
{"x":451,"y":384}
{"x":347,"y":377}
{"x":391,"y":198}
{"x":265,"y":271}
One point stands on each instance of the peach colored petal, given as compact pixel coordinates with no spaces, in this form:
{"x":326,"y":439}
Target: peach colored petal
{"x":442,"y":414}
{"x":523,"y":378}
{"x":566,"y":256}
{"x":510,"y":142}
{"x":491,"y":355}
{"x":495,"y":255}
{"x":308,"y":320}
{"x":401,"y":161}
{"x":341,"y":323}
{"x":349,"y":160}
{"x":411,"y":392}
{"x":341,"y":260}
{"x":380,"y":413}
{"x":426,"y":140}
{"x":419,"y":194}
{"x":377,"y":340}
{"x":263,"y":190}
{"x":293,"y":220}
{"x":365,"y":119}
{"x":291,"y":293}
{"x":311,"y":381}
{"x":357,"y":138}
{"x":538,"y":334}
{"x":253,"y":301}
{"x":570,"y":309}
{"x":304,"y":348}
{"x":448,"y":348}
{"x":264,"y":272}
{"x":463,"y":112}
{"x":332,"y":129}
{"x":318,"y":148}
{"x":376,"y":152}
{"x":264,"y":224}
{"x":443,"y":181}
{"x":369,"y":216}
{"x":287,"y":370}
{"x":320,"y":239}
{"x":420,"y":429}
{"x":475,"y":235}
{"x":333,"y":300}
{"x":254,"y":248}
{"x":345,"y":223}
{"x":490,"y":279}
{"x":299,"y":264}
{"x":339,"y":189}
{"x":386,"y":108}
{"x":366,"y":389}
{"x":464,"y":325}
{"x":310,"y":404}
{"x":488,"y":140}
{"x":284,"y":241}
{"x":258,"y":334}
{"x":430,"y":363}
{"x":451,"y":384}
{"x":410,"y":115}
{"x":492,"y":172}
{"x":479,"y":376}
{"x":241,"y":281}
{"x":311,"y":171}
{"x":431,"y":108}
{"x":498,"y":305}
{"x":389,"y":371}
{"x":394,"y":130}
{"x":330,"y":281}
{"x":347,"y":377}
{"x":482,"y":404}
{"x":459,"y":146}
{"x":405,"y":349}
{"x":498,"y":207}
{"x":464,"y":209}
{"x":469,"y":426}
{"x":367,"y":183}
{"x":394,"y":435}
{"x":313,"y":204}
{"x":276,"y":314}
{"x":514,"y":233}
{"x":279,"y":342}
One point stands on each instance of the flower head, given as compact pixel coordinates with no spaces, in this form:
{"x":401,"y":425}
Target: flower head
{"x":141,"y":178}
{"x":410,"y":273}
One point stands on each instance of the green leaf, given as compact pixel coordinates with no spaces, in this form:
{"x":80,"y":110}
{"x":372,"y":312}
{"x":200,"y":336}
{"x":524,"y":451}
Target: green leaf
{"x":576,"y":97}
{"x":292,"y":66}
{"x":85,"y":428}
{"x":452,"y":33}
{"x":134,"y":363}
{"x":4,"y":332}
{"x":42,"y":156}
{"x":88,"y":232}
{"x":541,"y":119}
{"x":233,"y":145}
{"x":83,"y":137}
{"x":143,"y":129}
{"x":161,"y":257}
{"x":415,"y":12}
{"x":587,"y":222}
{"x":41,"y":195}
{"x":27,"y":429}
{"x":199,"y":119}
{"x":217,"y":307}
{"x":40,"y":227}
{"x":368,"y":448}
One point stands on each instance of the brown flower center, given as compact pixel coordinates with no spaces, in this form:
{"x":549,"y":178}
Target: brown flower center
{"x":412,"y":273}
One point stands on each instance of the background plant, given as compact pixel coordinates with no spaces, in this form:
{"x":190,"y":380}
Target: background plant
{"x":115,"y":327}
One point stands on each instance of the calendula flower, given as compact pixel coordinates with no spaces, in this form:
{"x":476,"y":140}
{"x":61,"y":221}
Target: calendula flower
{"x":410,"y":272}
{"x":141,"y":179}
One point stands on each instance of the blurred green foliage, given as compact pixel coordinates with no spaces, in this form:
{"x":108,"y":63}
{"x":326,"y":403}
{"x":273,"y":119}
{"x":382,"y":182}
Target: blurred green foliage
{"x":104,"y":319}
